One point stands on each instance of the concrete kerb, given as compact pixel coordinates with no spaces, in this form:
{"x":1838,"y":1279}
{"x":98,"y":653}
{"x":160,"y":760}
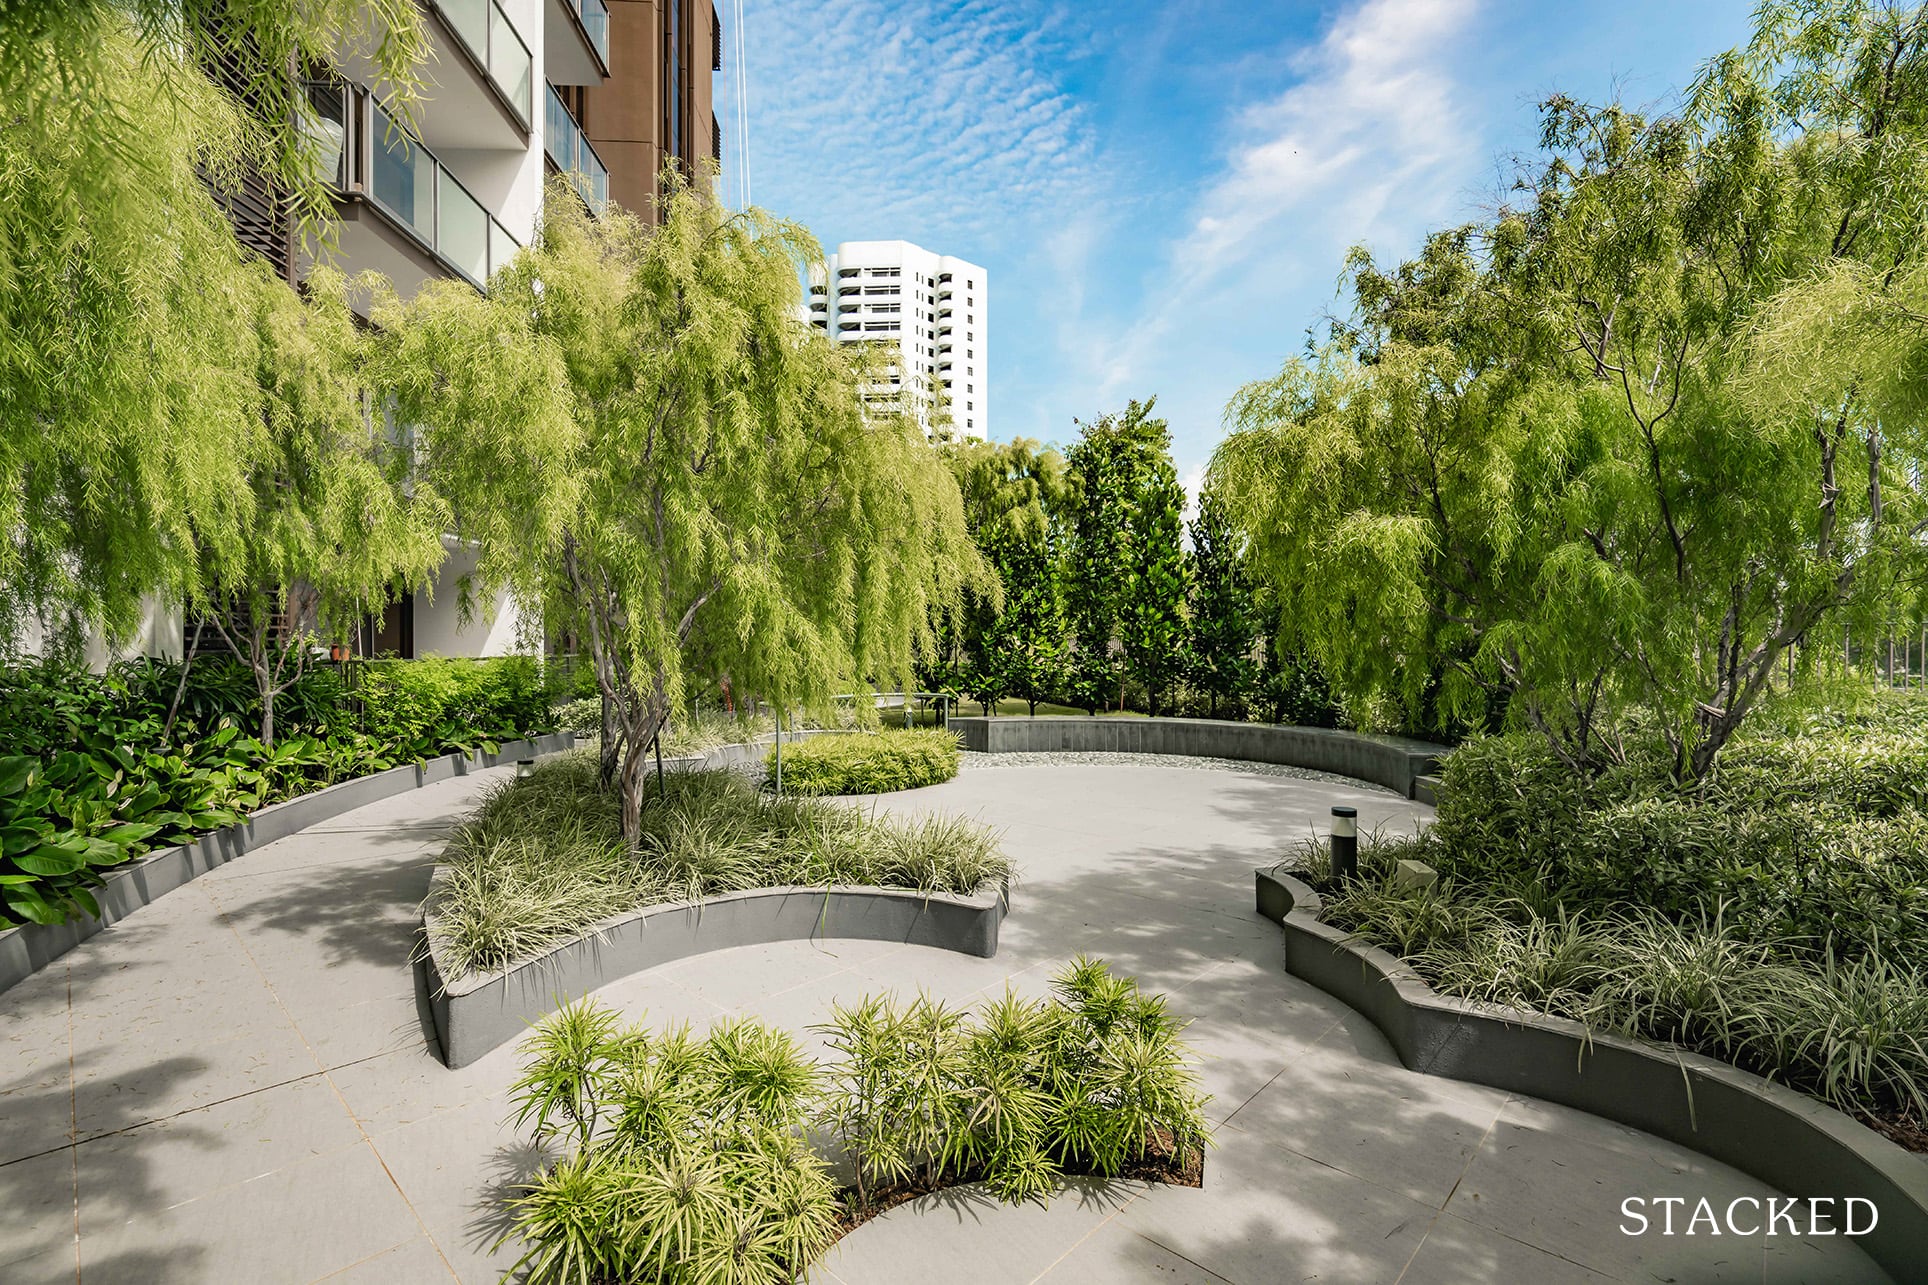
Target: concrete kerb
{"x":1396,"y":762}
{"x":26,"y":950}
{"x":478,"y":1013}
{"x":1782,"y":1137}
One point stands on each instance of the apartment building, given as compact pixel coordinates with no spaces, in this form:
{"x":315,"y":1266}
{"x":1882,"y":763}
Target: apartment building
{"x":933,"y":308}
{"x":606,"y":91}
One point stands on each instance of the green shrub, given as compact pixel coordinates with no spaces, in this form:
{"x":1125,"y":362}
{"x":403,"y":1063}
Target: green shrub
{"x":686,"y":1159}
{"x":1807,"y":838}
{"x":89,"y":783}
{"x":542,"y":859}
{"x":869,"y":763}
{"x":444,"y":705}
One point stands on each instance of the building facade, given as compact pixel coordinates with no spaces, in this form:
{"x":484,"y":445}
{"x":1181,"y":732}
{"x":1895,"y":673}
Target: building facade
{"x":607,"y":91}
{"x":935,"y":310}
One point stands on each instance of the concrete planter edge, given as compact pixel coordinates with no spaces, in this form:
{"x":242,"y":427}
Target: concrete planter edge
{"x":1395,"y":762}
{"x":476,"y":1014}
{"x":1766,"y":1130}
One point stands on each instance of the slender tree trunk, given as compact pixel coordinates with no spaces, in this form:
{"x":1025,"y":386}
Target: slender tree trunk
{"x":180,"y":688}
{"x":267,"y":715}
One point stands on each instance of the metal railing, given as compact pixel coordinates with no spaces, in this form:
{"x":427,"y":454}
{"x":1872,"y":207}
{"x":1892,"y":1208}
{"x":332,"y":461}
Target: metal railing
{"x":493,"y":42}
{"x":372,"y":154}
{"x":569,"y":151}
{"x":595,"y":21}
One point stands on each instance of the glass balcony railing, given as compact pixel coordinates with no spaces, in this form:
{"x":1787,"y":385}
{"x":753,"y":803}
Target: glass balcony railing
{"x":570,"y":152}
{"x":415,"y":189}
{"x":492,"y":41}
{"x":595,"y":21}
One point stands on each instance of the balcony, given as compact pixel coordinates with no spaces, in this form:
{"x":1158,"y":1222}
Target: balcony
{"x":425,"y":223}
{"x":569,"y":151}
{"x":575,"y":42}
{"x":491,"y":44}
{"x":818,"y":305}
{"x":851,"y":323}
{"x":943,"y":293}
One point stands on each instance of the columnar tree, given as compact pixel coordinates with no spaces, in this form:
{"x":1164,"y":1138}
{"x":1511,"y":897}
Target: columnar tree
{"x":732,"y":506}
{"x":1623,"y":446}
{"x":1108,"y":464}
{"x":1013,"y":640}
{"x":1224,"y":623}
{"x":1151,"y":612}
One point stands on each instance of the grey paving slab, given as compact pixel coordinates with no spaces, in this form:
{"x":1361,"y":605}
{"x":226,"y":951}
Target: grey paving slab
{"x":259,"y":1100}
{"x":38,"y":1196}
{"x":1456,"y":1252}
{"x":293,"y":1225}
{"x":963,"y":1236}
{"x":1116,"y":1253}
{"x":1269,"y":1213}
{"x":151,"y":1168}
{"x":412,"y":1261}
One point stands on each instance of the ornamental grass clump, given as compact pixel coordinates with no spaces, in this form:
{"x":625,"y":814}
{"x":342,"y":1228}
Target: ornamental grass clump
{"x":1090,"y":1081}
{"x":1846,"y":1025}
{"x":869,"y":763}
{"x":542,"y":861}
{"x":679,"y":1158}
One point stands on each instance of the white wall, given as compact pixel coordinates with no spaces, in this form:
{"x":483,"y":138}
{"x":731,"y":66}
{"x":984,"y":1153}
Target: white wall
{"x":494,"y":631}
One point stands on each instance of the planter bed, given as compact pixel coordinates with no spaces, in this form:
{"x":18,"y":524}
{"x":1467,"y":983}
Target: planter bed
{"x":26,"y":950}
{"x":1784,"y":1138}
{"x":480,"y":1012}
{"x":1396,"y":762}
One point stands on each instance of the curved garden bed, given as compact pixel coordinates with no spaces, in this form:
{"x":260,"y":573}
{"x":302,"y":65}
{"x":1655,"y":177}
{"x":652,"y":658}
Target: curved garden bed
{"x":26,"y":950}
{"x":1396,"y":762}
{"x":482,"y":1011}
{"x":1771,"y":1132}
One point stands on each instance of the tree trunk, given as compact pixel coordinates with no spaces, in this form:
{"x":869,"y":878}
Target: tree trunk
{"x":267,"y":715}
{"x":180,"y":688}
{"x":611,"y":743}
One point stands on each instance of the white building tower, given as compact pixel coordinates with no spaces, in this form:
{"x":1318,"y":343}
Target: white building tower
{"x":934,"y":308}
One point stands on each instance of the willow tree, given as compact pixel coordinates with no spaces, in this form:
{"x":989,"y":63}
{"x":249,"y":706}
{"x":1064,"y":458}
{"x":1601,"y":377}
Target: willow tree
{"x":126,"y":306}
{"x":731,"y":506}
{"x":120,"y":387}
{"x":1625,"y":445}
{"x":326,"y":519}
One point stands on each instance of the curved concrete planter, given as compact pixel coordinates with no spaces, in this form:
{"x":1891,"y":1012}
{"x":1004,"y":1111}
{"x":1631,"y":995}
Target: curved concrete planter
{"x":26,"y":950}
{"x":1395,"y":762}
{"x":1782,"y":1137}
{"x":480,"y":1012}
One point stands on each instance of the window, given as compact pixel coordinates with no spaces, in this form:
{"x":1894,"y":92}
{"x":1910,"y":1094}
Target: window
{"x":970,"y":423}
{"x":970,"y":370}
{"x":971,"y":317}
{"x":970,"y":352}
{"x":970,"y":388}
{"x":969,"y":405}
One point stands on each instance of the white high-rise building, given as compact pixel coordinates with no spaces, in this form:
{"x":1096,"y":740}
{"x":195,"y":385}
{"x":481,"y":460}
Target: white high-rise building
{"x":933,"y":307}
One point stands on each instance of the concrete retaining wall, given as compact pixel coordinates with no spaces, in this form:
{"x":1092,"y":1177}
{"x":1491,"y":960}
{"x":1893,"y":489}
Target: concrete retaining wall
{"x":1395,"y":762}
{"x":1784,"y":1138}
{"x":26,"y":950}
{"x":482,"y":1012}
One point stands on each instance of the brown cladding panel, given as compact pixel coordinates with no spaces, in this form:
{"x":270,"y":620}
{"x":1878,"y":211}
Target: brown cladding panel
{"x":632,"y":169}
{"x":625,"y":117}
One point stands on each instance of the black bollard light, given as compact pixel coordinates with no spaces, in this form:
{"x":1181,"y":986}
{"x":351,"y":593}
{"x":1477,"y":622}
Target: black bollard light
{"x":1345,"y":844}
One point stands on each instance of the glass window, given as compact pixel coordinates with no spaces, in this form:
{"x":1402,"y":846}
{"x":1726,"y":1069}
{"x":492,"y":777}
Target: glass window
{"x":462,"y":230}
{"x":404,"y":176}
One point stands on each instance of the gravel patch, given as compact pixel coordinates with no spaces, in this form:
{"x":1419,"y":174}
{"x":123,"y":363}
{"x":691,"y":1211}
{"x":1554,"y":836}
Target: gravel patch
{"x":972,"y":761}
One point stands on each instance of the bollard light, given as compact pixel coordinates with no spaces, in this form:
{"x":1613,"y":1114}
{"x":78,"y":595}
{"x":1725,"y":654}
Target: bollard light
{"x":525,"y":768}
{"x":1345,"y":844}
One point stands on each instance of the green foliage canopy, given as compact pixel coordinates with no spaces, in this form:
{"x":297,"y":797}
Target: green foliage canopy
{"x":1624,"y":445}
{"x":695,"y":487}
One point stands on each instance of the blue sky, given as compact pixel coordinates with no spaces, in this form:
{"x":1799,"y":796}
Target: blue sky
{"x":1163,"y":194}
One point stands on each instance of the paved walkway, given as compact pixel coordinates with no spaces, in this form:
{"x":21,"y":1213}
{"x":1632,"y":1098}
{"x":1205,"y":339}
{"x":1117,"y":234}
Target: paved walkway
{"x":236,"y":1084}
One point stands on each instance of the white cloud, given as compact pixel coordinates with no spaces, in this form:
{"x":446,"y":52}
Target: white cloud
{"x":1370,"y":144}
{"x":915,"y":119}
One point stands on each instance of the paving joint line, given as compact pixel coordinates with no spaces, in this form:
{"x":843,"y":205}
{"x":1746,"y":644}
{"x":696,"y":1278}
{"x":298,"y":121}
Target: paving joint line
{"x":326,"y":1075}
{"x":1107,"y":1221}
{"x":1183,"y":1258}
{"x":1452,"y":1191}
